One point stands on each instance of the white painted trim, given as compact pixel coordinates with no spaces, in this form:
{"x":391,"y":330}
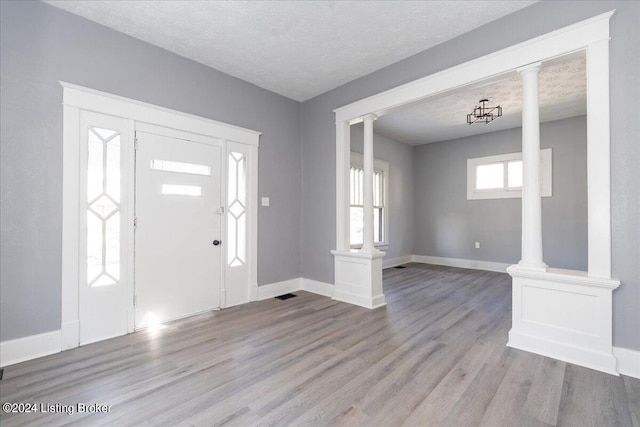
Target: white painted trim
{"x":628,"y":361}
{"x":273,"y":290}
{"x":298,"y":284}
{"x":591,"y":34}
{"x":129,"y":216}
{"x":598,"y":360}
{"x":393,"y":262}
{"x":252,"y":209}
{"x":359,"y":300}
{"x":70,"y":332}
{"x":70,"y":227}
{"x":319,"y":288}
{"x":343,"y":161}
{"x":107,"y":103}
{"x":598,"y":160}
{"x":573,"y":277}
{"x":31,"y":347}
{"x":144,"y":117}
{"x":556,"y":43}
{"x":499,"y":267}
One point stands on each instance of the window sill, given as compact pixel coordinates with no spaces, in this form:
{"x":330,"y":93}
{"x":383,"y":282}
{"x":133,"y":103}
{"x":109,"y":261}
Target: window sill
{"x":382,"y":246}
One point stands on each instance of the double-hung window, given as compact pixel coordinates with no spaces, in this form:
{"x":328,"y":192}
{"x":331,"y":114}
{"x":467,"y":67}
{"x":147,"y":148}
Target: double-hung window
{"x":380,"y":190}
{"x":500,"y":177}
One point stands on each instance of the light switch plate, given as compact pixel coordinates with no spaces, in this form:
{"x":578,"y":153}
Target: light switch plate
{"x":265,"y":201}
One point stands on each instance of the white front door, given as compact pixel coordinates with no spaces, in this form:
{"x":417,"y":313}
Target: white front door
{"x":177,"y":239}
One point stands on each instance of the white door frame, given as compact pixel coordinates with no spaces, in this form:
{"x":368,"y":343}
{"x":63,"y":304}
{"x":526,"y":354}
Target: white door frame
{"x":141,"y":117}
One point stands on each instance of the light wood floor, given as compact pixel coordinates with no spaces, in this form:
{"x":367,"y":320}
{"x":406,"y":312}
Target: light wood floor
{"x":435,"y":355}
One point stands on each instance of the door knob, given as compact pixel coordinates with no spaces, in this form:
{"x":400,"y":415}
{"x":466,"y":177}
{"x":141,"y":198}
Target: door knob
{"x":216,"y":242}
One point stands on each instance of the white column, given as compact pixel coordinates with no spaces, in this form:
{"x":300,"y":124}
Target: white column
{"x":531,"y":201}
{"x":368,"y":238}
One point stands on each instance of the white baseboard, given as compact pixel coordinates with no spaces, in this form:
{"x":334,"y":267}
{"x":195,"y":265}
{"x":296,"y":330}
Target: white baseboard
{"x":298,"y":284}
{"x":628,"y":361}
{"x":320,"y":288}
{"x":392,"y":262}
{"x":462,"y":263}
{"x":598,"y":360}
{"x":371,"y":303}
{"x":279,"y":288}
{"x":70,"y":335}
{"x":31,"y":347}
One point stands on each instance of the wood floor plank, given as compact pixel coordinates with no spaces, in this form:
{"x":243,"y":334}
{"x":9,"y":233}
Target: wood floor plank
{"x":434,"y":355}
{"x":544,"y":397}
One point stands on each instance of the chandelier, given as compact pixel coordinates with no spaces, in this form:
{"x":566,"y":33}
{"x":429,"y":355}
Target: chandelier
{"x":482,"y":113}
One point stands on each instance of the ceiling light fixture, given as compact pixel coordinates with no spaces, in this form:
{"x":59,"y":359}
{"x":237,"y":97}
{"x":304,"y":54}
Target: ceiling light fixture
{"x":482,"y":113}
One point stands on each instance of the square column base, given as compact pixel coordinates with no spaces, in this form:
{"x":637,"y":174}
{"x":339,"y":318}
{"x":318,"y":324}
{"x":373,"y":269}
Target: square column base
{"x":358,"y":278}
{"x":563,"y":314}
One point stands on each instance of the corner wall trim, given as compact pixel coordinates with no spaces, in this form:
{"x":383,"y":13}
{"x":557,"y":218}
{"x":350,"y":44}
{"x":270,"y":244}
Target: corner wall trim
{"x":278,"y":288}
{"x":31,"y":347}
{"x":628,"y":361}
{"x":320,"y":288}
{"x":298,"y":284}
{"x":393,"y":262}
{"x":462,"y":263}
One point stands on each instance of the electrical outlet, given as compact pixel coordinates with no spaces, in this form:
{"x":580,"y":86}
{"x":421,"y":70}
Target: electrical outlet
{"x":477,"y":245}
{"x":265,"y":201}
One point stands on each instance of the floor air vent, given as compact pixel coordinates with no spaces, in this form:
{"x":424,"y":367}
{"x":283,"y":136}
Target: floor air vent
{"x":400,"y":266}
{"x":286,"y":296}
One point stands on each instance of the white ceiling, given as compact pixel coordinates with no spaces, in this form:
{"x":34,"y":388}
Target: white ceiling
{"x":562,"y":91}
{"x":298,"y":49}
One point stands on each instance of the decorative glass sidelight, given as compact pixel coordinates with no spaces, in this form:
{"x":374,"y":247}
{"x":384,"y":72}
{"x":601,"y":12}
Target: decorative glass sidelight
{"x":237,"y":203}
{"x":103,"y":212}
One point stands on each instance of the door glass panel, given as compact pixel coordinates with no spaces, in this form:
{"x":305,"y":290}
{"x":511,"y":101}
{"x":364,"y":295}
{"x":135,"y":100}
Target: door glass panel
{"x":95,"y":167}
{"x":180,"y":167}
{"x":103,"y":210}
{"x":113,"y":168}
{"x":237,"y":202}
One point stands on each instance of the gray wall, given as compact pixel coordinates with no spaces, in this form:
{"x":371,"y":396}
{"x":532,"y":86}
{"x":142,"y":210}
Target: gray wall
{"x":400,"y":197}
{"x":41,"y":45}
{"x":318,"y":136}
{"x":447,"y":224}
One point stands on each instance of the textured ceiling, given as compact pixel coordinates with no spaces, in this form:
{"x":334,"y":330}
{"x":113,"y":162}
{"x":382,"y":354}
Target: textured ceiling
{"x":298,"y":49}
{"x":562,"y":94}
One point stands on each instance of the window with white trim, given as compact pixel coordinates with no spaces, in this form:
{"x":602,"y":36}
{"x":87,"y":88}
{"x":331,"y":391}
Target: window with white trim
{"x":500,"y":177}
{"x":356,"y":201}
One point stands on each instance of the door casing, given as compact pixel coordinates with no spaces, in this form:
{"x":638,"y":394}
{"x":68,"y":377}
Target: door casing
{"x":151,"y":119}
